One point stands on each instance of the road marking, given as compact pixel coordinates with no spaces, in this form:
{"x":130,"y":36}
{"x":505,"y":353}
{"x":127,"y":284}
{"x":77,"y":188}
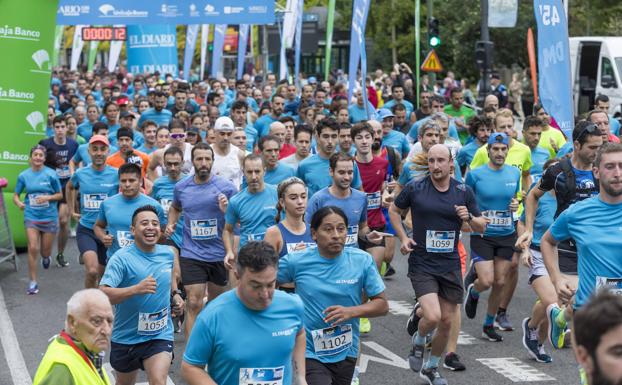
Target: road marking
{"x":466,"y":339}
{"x":113,"y":381}
{"x":390,"y":357}
{"x":400,"y":307}
{"x":515,"y":369}
{"x":12,"y":352}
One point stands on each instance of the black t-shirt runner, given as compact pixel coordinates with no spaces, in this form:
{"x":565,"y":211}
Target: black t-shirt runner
{"x":436,"y":226}
{"x":57,"y":156}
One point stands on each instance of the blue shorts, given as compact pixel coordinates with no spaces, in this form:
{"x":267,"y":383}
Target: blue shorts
{"x":87,"y":241}
{"x":43,"y":226}
{"x":128,"y":358}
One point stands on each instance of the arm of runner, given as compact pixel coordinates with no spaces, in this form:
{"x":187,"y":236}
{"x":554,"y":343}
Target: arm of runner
{"x":395,"y":215}
{"x":377,"y":306}
{"x":100,"y":232}
{"x":227,"y":240}
{"x":299,"y":358}
{"x":196,"y":375}
{"x":273,"y":238}
{"x":71,"y":201}
{"x":526,"y":180}
{"x":531,"y":205}
{"x":18,"y":202}
{"x":154,"y":162}
{"x":173,"y":217}
{"x":178,"y":302}
{"x":548,"y":247}
{"x":120,"y":294}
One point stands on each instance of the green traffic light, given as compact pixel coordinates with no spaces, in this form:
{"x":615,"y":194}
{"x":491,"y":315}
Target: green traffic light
{"x":435,"y":41}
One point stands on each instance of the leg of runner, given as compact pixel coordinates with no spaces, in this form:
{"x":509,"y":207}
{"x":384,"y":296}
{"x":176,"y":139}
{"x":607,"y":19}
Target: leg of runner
{"x":157,"y":367}
{"x":194,"y":304}
{"x":214,"y":290}
{"x":92,"y":267}
{"x":430,"y":318}
{"x":452,"y":360}
{"x":511,"y":281}
{"x":501,"y":267}
{"x":378,"y":254}
{"x":125,"y":378}
{"x":485,"y":277}
{"x":388,"y":255}
{"x":63,"y":233}
{"x":35,"y":245}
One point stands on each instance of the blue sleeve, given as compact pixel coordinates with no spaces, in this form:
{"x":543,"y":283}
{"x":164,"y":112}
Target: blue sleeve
{"x":115,"y":271}
{"x":457,"y":171}
{"x":300,"y":172}
{"x":55,"y":182}
{"x":101,"y":216}
{"x":176,"y":201}
{"x":77,"y":158}
{"x":20,"y":185}
{"x":285,"y":275}
{"x":231,"y":215}
{"x":200,"y":344}
{"x":373,"y":284}
{"x":75,"y":180}
{"x":559,"y":229}
{"x":404,"y":175}
{"x":311,"y":208}
{"x":414,"y":131}
{"x":453,"y":131}
{"x":461,"y":157}
{"x":161,"y":215}
{"x":356,"y":182}
{"x":364,"y":213}
{"x":470,"y":180}
{"x":405,"y":147}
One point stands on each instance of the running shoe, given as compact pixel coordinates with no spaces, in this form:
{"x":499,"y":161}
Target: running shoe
{"x":556,"y":330}
{"x":61,"y":261}
{"x":415,"y":358}
{"x":432,"y":376}
{"x":383,"y":269}
{"x":542,"y":356}
{"x":365,"y":325}
{"x":412,"y":324}
{"x":530,"y":339}
{"x":491,"y":334}
{"x":45,"y":262}
{"x":502,"y":322}
{"x":390,"y":270}
{"x":470,"y":303}
{"x":33,"y":288}
{"x":452,"y":362}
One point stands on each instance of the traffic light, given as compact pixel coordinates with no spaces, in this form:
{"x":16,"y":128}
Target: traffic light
{"x":483,"y":54}
{"x":434,"y":37}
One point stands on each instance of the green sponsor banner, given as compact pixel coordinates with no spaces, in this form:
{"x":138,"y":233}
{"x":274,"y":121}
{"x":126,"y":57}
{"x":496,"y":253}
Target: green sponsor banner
{"x":329,"y":37}
{"x":27,"y":32}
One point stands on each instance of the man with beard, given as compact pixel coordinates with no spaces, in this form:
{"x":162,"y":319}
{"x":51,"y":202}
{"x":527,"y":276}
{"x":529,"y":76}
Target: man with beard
{"x":262,"y":125}
{"x":158,"y":113}
{"x":227,"y":157}
{"x":480,"y":128}
{"x":598,"y":338}
{"x":203,"y":200}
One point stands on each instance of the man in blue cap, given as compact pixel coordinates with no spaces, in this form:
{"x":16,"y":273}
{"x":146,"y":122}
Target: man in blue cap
{"x":391,"y":137}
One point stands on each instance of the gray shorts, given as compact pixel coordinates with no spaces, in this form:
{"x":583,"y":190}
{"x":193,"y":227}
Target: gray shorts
{"x":44,"y":227}
{"x":537,"y":268}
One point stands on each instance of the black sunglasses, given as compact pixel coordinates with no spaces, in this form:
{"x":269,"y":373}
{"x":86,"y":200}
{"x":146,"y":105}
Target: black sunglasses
{"x":591,"y":129}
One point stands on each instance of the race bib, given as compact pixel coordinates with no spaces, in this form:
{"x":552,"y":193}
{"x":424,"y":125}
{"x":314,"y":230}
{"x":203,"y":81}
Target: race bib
{"x":256,"y":237}
{"x":125,"y":238}
{"x":261,"y":376}
{"x":202,"y":230}
{"x":166,"y":204}
{"x":353,"y":236}
{"x":333,"y":340}
{"x":499,"y":219}
{"x":93,"y":201}
{"x":612,"y":284}
{"x":373,"y":200}
{"x":152,"y":323}
{"x":291,"y":247}
{"x":32,"y":200}
{"x":63,"y":172}
{"x":439,"y":241}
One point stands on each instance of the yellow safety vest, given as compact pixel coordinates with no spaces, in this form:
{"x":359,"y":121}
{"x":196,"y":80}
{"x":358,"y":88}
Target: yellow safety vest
{"x":81,"y":372}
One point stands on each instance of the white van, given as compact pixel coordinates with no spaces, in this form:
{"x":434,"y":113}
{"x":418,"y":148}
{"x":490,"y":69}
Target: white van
{"x":596,"y":68}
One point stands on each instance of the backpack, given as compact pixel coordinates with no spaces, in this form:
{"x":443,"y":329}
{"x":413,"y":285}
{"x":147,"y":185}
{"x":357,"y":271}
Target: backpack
{"x":571,"y":182}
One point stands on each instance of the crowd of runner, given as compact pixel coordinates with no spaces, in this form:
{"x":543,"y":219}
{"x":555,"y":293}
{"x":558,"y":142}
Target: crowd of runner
{"x":182,"y":191}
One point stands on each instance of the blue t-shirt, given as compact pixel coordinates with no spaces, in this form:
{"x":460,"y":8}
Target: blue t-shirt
{"x":95,"y":187}
{"x":291,"y":240}
{"x":323,"y":282}
{"x":359,"y":114}
{"x":466,"y":154}
{"x":226,"y":329}
{"x":82,"y":155}
{"x":414,"y":129}
{"x":36,"y":183}
{"x":162,"y":191}
{"x":614,"y":126}
{"x":141,"y":317}
{"x":408,"y":105}
{"x":143,"y":148}
{"x":262,"y":125}
{"x":398,"y":141}
{"x":251,"y":137}
{"x":539,"y":156}
{"x":545,"y":214}
{"x":436,"y":226}
{"x":354,"y":206}
{"x":494,"y":190}
{"x":275,"y":176}
{"x":255,"y":212}
{"x":117,"y":212}
{"x":595,"y":227}
{"x":203,"y":220}
{"x":85,"y":130}
{"x":162,"y":118}
{"x":313,"y":170}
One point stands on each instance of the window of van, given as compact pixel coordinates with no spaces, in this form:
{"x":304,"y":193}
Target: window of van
{"x":607,"y":74}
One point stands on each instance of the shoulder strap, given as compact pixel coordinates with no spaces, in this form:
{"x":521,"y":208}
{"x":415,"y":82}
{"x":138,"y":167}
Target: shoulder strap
{"x":571,"y":185}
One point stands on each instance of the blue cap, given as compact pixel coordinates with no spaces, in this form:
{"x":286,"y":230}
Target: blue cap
{"x":312,"y":80}
{"x":499,"y":137}
{"x":384,"y":113}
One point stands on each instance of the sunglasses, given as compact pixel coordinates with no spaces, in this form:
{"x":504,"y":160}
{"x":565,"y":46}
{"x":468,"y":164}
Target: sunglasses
{"x":178,"y":136}
{"x":591,"y":129}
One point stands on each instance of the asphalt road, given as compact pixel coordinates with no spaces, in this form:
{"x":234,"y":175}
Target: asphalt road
{"x":36,"y":318}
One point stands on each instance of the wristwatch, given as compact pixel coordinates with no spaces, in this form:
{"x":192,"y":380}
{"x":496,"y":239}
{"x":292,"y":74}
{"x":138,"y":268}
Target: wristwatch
{"x":177,"y":291}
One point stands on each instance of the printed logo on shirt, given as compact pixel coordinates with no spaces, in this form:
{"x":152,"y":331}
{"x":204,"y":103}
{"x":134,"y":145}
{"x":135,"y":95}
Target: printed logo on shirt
{"x":347,"y":281}
{"x":286,"y":332}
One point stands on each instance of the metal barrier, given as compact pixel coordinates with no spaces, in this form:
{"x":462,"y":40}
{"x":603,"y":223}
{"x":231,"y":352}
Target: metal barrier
{"x":7,"y":247}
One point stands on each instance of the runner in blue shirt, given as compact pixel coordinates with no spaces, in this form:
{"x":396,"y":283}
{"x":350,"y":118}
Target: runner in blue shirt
{"x":276,"y":171}
{"x":254,"y":208}
{"x":495,"y":186}
{"x":390,"y":137}
{"x":262,"y":125}
{"x":397,"y":92}
{"x":598,"y":256}
{"x":43,"y":190}
{"x":113,"y":223}
{"x":480,"y":128}
{"x":238,"y":114}
{"x":158,"y":113}
{"x":93,"y":184}
{"x":330,"y":279}
{"x":314,"y":169}
{"x":202,"y":199}
{"x":359,"y":112}
{"x":261,"y":317}
{"x":82,"y":158}
{"x":139,"y":281}
{"x":85,"y":129}
{"x":149,"y":129}
{"x":532,"y":131}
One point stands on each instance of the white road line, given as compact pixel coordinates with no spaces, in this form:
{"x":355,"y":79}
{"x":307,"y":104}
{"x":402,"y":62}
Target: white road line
{"x":515,"y":369}
{"x":12,"y":352}
{"x":113,"y":381}
{"x":390,"y":358}
{"x":466,"y":339}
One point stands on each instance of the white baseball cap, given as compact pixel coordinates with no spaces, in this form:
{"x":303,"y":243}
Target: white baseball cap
{"x":224,"y":123}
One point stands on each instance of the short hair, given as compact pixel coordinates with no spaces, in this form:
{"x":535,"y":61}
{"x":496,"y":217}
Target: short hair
{"x":77,"y":301}
{"x":607,"y":148}
{"x":454,"y":91}
{"x":338,"y":157}
{"x":582,"y":131}
{"x":286,"y":119}
{"x":201,"y":146}
{"x":161,"y":128}
{"x":276,"y":96}
{"x":176,"y":123}
{"x":239,"y":105}
{"x":601,"y":98}
{"x":344,"y":126}
{"x":427,"y":126}
{"x":478,"y":121}
{"x":108,"y":105}
{"x":318,"y":216}
{"x":172,"y":150}
{"x":396,"y":85}
{"x":144,"y":208}
{"x":328,"y":122}
{"x":503,"y":113}
{"x":58,"y":119}
{"x":439,"y":117}
{"x":98,"y":126}
{"x":532,"y":121}
{"x":256,"y":256}
{"x":398,"y":107}
{"x":148,"y":123}
{"x":266,"y":138}
{"x":437,"y":98}
{"x":594,"y":112}
{"x":130,"y":168}
{"x":361,"y":127}
{"x":159,"y":94}
{"x":537,"y":107}
{"x":300,"y":128}
{"x":250,"y":158}
{"x":601,"y":314}
{"x":125,"y":133}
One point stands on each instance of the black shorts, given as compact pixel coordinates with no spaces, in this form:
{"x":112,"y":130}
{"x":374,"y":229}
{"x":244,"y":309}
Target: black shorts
{"x":487,"y":248}
{"x":199,"y":272}
{"x":567,"y":256}
{"x":63,"y":184}
{"x":364,"y":244}
{"x":128,"y":358}
{"x":335,"y":373}
{"x":447,"y":285}
{"x":87,"y":241}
